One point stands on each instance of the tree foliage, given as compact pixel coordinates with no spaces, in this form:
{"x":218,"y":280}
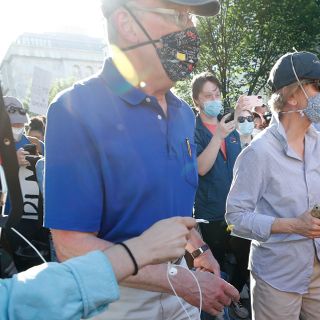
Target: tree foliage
{"x":242,"y":43}
{"x":58,"y":86}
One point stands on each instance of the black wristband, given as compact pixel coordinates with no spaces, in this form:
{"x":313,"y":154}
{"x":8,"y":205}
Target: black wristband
{"x":136,"y":269}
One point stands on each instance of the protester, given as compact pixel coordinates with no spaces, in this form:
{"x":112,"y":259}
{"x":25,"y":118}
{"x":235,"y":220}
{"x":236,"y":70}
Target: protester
{"x":261,"y":109}
{"x":218,"y":145}
{"x":258,"y":123}
{"x":84,"y":286}
{"x":31,"y":223}
{"x":36,"y":128}
{"x":245,"y":126}
{"x":276,"y":183}
{"x":120,"y":156}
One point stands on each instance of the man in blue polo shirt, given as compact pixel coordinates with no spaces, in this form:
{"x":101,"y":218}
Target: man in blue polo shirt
{"x":120,"y":156}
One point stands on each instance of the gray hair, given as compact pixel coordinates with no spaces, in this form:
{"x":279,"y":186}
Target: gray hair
{"x":279,"y":99}
{"x":111,"y":30}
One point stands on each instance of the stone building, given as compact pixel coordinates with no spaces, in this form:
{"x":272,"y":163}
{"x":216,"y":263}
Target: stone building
{"x":64,"y":56}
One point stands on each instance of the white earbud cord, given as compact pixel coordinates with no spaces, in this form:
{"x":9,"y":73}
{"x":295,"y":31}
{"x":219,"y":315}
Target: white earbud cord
{"x":30,"y":244}
{"x":174,"y":291}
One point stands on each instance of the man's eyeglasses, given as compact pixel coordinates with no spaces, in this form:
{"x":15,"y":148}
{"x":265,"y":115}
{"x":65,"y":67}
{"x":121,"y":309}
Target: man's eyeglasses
{"x":181,"y":19}
{"x":13,"y":109}
{"x":241,"y":119}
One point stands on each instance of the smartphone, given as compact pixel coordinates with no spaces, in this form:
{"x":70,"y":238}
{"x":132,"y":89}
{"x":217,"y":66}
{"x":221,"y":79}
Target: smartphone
{"x":226,"y":111}
{"x":254,"y":101}
{"x":315,"y":212}
{"x":31,"y":148}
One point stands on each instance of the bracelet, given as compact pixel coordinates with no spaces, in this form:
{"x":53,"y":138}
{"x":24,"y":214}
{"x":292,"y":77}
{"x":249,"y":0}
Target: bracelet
{"x":136,"y":269}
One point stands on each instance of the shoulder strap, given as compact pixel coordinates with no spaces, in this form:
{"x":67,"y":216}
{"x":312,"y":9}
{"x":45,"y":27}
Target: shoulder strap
{"x":11,"y":169}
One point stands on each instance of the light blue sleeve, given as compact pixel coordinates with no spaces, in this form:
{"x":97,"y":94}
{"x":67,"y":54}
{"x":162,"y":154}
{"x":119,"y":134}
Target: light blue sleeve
{"x":246,"y":189}
{"x":40,"y":173}
{"x":78,"y":288}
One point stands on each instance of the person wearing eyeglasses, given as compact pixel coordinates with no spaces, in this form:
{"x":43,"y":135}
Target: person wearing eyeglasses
{"x":275,"y":187}
{"x":245,"y":126}
{"x":120,"y":155}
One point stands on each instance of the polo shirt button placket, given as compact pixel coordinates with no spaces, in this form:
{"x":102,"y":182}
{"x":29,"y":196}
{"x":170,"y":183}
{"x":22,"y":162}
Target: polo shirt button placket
{"x":148,"y":100}
{"x":159,"y":117}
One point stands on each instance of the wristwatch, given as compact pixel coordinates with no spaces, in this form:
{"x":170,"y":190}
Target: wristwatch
{"x":199,"y":251}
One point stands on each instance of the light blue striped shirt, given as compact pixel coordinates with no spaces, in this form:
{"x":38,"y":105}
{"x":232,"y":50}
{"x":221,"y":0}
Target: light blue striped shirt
{"x":271,"y":181}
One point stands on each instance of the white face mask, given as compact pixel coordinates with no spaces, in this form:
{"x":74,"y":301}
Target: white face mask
{"x":17,"y":134}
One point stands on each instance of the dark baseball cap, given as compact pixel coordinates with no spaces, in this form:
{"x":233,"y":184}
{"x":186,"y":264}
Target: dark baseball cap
{"x":200,"y":8}
{"x":306,"y":65}
{"x":15,"y":109}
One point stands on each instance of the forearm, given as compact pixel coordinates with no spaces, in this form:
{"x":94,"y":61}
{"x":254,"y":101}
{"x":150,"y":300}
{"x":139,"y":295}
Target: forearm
{"x":209,"y":155}
{"x":69,"y":244}
{"x":151,"y":278}
{"x":78,"y":288}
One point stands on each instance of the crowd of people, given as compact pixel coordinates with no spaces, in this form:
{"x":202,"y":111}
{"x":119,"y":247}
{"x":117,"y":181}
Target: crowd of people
{"x":122,"y":165}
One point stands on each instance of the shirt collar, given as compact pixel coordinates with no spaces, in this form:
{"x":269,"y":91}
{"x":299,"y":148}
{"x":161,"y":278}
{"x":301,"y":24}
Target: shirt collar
{"x":277,"y":128}
{"x":119,"y":85}
{"x":125,"y":90}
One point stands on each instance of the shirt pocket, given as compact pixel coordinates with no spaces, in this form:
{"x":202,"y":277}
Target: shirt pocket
{"x":190,"y":166}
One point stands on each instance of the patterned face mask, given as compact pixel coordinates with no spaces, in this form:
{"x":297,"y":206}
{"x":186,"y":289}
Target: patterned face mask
{"x":312,"y":111}
{"x":178,"y":51}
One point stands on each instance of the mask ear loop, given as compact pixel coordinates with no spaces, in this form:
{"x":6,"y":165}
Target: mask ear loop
{"x":150,"y":41}
{"x":295,"y":74}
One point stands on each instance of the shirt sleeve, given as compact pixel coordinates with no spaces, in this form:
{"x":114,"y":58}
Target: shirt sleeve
{"x":198,"y":140}
{"x":248,"y":185}
{"x":73,"y":182}
{"x":79,"y":288}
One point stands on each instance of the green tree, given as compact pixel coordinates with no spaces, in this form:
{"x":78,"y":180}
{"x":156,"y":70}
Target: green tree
{"x":58,"y":86}
{"x":242,"y":43}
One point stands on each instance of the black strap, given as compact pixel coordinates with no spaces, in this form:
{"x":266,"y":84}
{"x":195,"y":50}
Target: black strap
{"x":150,"y":41}
{"x":134,"y":261}
{"x":11,"y":169}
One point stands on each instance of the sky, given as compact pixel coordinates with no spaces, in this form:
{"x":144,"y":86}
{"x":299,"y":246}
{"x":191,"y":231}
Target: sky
{"x":38,"y":16}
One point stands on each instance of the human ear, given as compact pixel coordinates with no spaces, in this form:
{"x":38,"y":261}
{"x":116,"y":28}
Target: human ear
{"x":125,"y":27}
{"x":292,"y":101}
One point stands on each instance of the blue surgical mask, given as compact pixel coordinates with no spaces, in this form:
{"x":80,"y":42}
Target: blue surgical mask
{"x":212,"y":108}
{"x":245,"y":128}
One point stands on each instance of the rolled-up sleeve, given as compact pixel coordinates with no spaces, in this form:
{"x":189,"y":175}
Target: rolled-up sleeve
{"x":78,"y":288}
{"x":247,"y":187}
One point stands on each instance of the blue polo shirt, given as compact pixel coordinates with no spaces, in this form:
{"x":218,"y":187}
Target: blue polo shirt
{"x":115,"y":163}
{"x":210,"y":202}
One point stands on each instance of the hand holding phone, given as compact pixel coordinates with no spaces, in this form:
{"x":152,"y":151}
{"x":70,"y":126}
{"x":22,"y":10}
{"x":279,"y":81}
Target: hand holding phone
{"x":31,"y":148}
{"x":253,"y":101}
{"x":315,"y":212}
